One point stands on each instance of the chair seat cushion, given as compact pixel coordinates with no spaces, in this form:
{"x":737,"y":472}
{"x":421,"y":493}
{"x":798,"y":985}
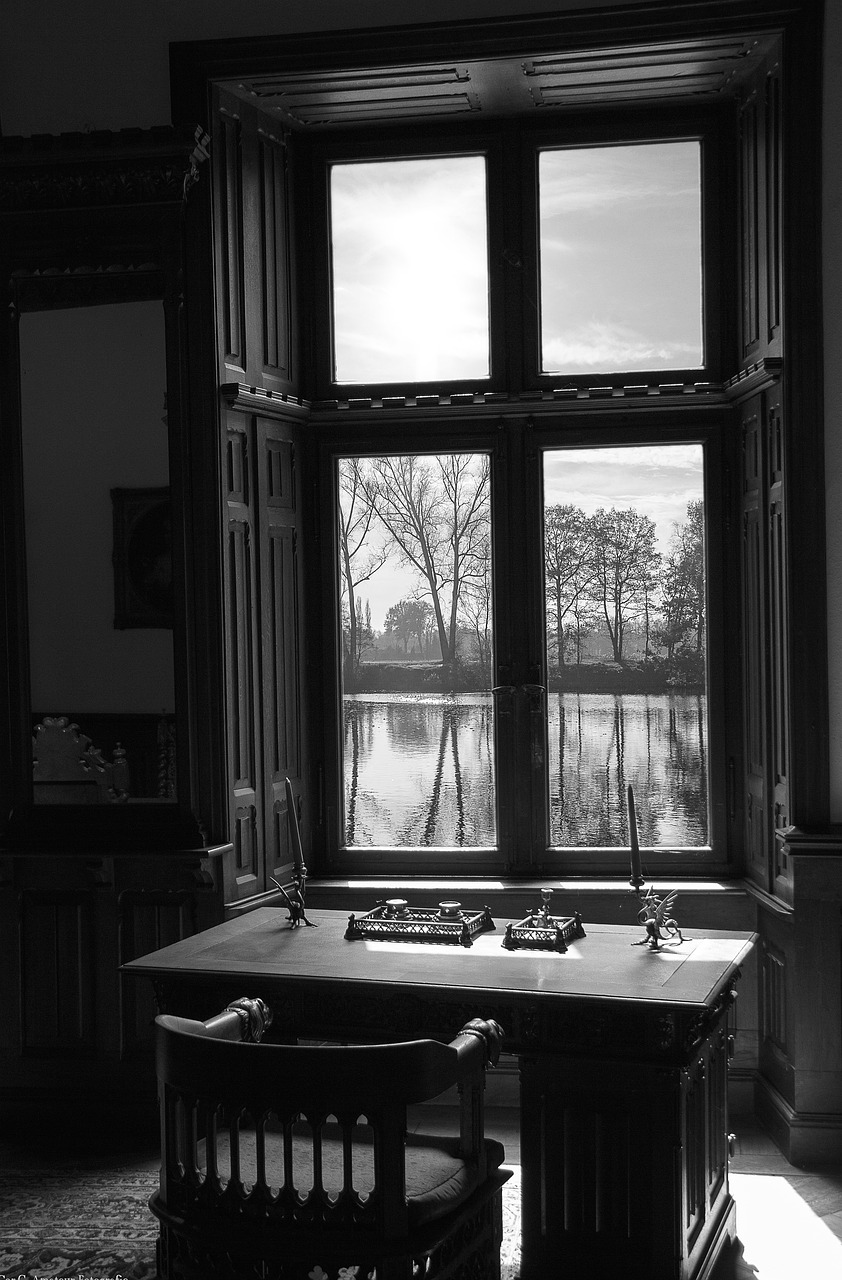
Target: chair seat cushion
{"x":438,"y":1179}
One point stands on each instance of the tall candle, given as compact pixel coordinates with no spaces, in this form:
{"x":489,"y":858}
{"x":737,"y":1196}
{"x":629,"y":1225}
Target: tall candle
{"x":295,"y":833}
{"x":636,"y":874}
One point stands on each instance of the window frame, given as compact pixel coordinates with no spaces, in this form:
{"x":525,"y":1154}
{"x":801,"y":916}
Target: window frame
{"x":515,"y":442}
{"x":497,"y":415}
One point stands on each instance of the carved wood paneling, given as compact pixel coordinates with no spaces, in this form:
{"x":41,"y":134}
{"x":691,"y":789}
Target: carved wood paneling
{"x":101,"y":169}
{"x":749,"y":230}
{"x":773,"y":1007}
{"x":754,"y":631}
{"x":778,"y":613}
{"x":281,"y":622}
{"x":229,"y":238}
{"x":57,"y":971}
{"x":147,"y":920}
{"x":264,"y":629}
{"x":252,"y":233}
{"x":705,"y":66}
{"x":761,"y":246}
{"x":243,"y":657}
{"x":276,"y":320}
{"x":772,"y":158}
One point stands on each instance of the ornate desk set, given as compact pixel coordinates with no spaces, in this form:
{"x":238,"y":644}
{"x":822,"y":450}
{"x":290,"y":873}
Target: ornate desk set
{"x":655,"y":912}
{"x":395,"y":919}
{"x":539,"y":931}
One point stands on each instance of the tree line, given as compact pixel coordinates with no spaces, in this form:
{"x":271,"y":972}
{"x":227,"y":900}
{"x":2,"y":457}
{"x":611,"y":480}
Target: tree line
{"x":605,"y":579}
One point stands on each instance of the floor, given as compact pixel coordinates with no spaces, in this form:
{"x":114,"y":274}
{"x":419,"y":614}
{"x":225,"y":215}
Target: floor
{"x":789,"y":1221}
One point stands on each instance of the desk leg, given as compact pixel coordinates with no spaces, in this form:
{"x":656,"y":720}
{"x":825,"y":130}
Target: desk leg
{"x":624,"y":1167}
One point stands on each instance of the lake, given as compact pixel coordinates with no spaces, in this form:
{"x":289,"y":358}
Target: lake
{"x":419,"y":769}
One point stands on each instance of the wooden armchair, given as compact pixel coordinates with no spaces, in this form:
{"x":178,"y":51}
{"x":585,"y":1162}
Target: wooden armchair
{"x":294,"y":1162}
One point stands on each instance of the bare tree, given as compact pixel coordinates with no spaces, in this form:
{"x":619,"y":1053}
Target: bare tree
{"x":624,"y":561}
{"x":476,"y":613}
{"x":682,"y":623}
{"x":359,"y":555}
{"x":437,"y":513}
{"x":567,"y":566}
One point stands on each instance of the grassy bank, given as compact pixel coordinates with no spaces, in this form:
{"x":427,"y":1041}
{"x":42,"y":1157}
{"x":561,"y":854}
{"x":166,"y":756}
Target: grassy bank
{"x":585,"y":677}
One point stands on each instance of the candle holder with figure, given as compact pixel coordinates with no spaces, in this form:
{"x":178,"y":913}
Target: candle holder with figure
{"x":655,"y":912}
{"x":294,"y":894}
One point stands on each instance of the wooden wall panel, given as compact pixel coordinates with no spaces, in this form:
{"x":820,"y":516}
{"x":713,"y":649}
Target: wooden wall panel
{"x":264,"y":625}
{"x":57,"y":971}
{"x":256,"y":334}
{"x":243,"y":658}
{"x":281,"y":625}
{"x":229,"y":240}
{"x":275,"y":265}
{"x":749,"y":231}
{"x":755,"y":657}
{"x":772,"y":192}
{"x":761,"y":261}
{"x":779,"y":709}
{"x":147,"y":920}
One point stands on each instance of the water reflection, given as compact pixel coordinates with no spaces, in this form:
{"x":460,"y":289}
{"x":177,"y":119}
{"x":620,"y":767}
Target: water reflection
{"x":599,"y":743}
{"x":419,"y":769}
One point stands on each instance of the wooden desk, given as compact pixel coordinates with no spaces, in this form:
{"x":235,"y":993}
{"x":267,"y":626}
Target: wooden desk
{"x":623,"y":1064}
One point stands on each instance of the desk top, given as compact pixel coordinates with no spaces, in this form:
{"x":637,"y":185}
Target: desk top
{"x":603,"y":966}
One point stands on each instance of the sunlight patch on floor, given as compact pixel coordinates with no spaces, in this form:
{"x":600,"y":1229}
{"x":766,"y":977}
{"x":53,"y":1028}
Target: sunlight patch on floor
{"x":781,"y":1235}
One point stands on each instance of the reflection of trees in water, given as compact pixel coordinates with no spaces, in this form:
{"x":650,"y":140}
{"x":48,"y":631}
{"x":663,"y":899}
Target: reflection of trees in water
{"x":441,"y":752}
{"x":658,"y":744}
{"x":422,"y":772}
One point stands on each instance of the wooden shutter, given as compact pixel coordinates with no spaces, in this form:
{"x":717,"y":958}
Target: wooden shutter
{"x":261,"y":456}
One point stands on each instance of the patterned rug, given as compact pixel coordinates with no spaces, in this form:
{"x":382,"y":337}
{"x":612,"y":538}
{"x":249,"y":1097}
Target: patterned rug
{"x":79,"y":1225}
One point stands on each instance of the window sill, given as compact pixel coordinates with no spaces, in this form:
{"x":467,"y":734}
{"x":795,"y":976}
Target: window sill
{"x":714,"y":904}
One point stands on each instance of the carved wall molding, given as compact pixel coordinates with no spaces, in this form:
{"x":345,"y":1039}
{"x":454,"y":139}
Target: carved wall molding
{"x":128,"y":167}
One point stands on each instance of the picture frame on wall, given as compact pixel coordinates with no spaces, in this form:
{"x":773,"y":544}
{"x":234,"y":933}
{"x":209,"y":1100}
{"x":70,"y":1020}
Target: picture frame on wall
{"x":142,"y":556}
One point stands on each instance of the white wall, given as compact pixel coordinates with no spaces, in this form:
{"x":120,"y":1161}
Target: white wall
{"x":98,"y":64}
{"x":80,"y":440}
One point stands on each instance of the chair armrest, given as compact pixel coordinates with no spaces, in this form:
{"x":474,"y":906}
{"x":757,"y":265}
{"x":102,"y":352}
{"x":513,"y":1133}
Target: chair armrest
{"x":482,"y":1037}
{"x":245,"y":1019}
{"x":477,"y":1046}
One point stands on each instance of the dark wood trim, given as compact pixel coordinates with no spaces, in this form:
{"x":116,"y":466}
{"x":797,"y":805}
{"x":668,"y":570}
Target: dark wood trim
{"x":194,"y":64}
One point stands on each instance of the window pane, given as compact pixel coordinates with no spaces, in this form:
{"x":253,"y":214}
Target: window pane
{"x":626,"y":641}
{"x":621,"y":258}
{"x":418,"y":730}
{"x":410,"y":270}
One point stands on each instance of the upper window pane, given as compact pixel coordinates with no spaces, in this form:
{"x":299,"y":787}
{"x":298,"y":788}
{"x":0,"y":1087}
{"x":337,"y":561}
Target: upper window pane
{"x":410,"y":270}
{"x":621,"y":256}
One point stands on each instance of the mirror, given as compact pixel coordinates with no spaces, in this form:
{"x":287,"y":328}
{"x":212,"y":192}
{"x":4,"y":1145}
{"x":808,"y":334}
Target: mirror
{"x":97,"y":520}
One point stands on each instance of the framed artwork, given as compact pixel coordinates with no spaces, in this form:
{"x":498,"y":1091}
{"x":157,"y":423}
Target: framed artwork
{"x":143,"y":590}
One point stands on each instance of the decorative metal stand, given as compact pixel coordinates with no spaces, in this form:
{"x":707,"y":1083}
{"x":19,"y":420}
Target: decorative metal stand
{"x":655,"y":912}
{"x":661,"y":927}
{"x":539,"y":931}
{"x":395,"y":919}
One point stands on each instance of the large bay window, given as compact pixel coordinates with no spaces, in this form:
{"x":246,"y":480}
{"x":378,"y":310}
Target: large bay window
{"x":518,"y":333}
{"x":519,"y":626}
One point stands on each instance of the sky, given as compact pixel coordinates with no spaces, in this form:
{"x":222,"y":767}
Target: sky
{"x":621,"y":258}
{"x":620,"y":254}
